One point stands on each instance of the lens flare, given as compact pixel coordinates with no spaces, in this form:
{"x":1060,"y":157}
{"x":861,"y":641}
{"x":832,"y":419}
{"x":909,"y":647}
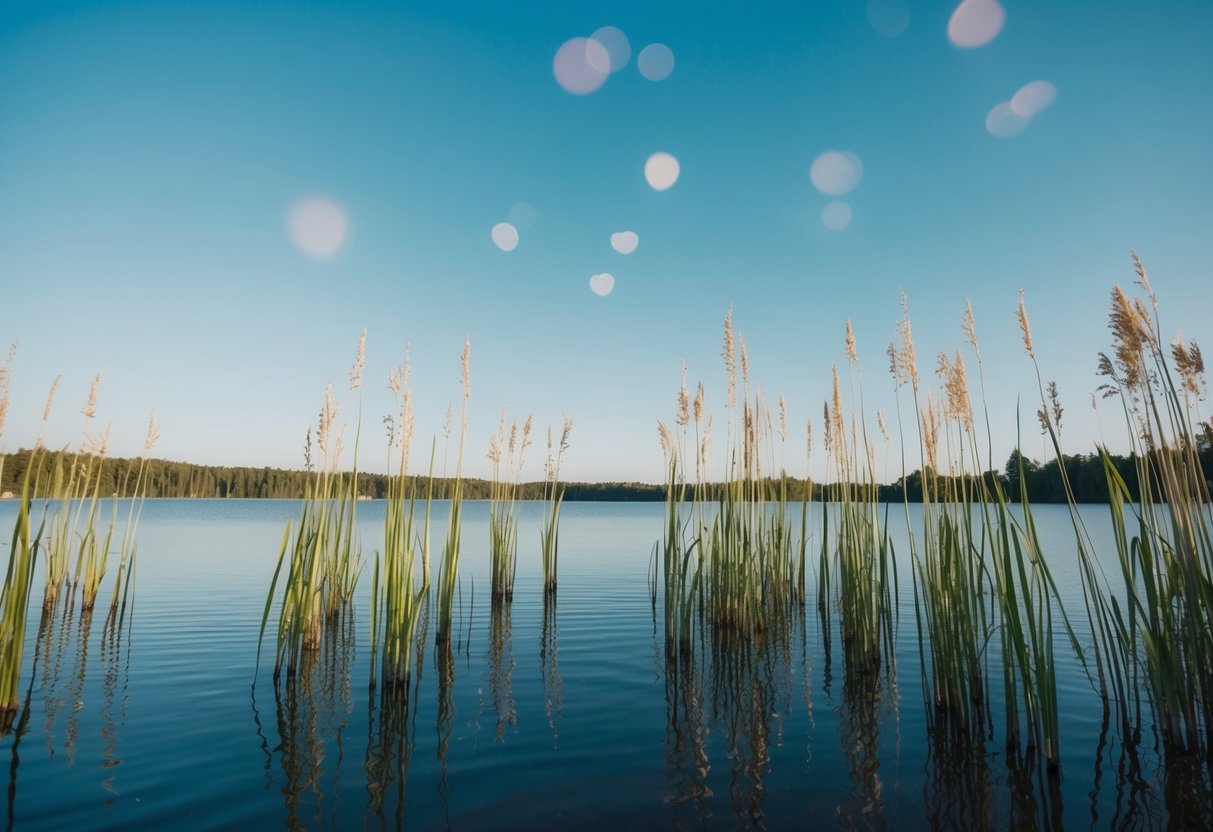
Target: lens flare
{"x":1033,"y":98}
{"x":655,"y":62}
{"x":521,"y":215}
{"x":836,"y":172}
{"x":617,"y":48}
{"x":505,"y":236}
{"x":318,"y":226}
{"x":889,"y":18}
{"x":602,"y":284}
{"x":625,"y":242}
{"x":661,"y":170}
{"x":581,"y":66}
{"x":836,"y":216}
{"x":975,"y":23}
{"x":1004,"y":122}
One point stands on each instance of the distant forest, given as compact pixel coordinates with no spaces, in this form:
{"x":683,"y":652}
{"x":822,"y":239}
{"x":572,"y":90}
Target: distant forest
{"x":183,"y":479}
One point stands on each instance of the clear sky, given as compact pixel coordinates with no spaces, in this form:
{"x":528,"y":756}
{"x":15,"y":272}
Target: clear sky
{"x":153,"y":155}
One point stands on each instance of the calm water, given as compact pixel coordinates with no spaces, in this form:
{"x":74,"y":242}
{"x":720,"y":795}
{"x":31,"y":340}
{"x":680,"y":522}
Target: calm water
{"x":539,"y":718}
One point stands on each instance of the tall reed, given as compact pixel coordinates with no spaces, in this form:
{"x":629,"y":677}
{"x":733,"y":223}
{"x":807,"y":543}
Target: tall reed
{"x":448,"y":571}
{"x":1164,"y":542}
{"x":325,"y":551}
{"x":506,"y":456}
{"x":397,"y":599}
{"x":553,"y":498}
{"x":14,"y":603}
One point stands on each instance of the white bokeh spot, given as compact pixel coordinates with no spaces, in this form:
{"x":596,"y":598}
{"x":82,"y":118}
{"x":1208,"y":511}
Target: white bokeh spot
{"x":836,"y":215}
{"x":318,"y":226}
{"x":581,"y":65}
{"x":616,"y":47}
{"x":602,"y":284}
{"x":975,"y":23}
{"x":655,"y":62}
{"x":661,"y":171}
{"x":890,"y":18}
{"x":836,"y":172}
{"x":1033,"y":98}
{"x":505,"y":236}
{"x":625,"y":242}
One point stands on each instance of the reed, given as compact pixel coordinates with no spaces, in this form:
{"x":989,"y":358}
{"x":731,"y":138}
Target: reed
{"x":506,"y":455}
{"x":1164,"y":543}
{"x":323,"y":545}
{"x":553,"y":498}
{"x":14,"y":604}
{"x":397,"y":597}
{"x":859,"y":575}
{"x":448,"y":571}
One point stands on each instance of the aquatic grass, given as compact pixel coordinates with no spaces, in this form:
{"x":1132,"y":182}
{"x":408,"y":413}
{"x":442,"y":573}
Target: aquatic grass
{"x":397,"y":598}
{"x":506,"y":456}
{"x":14,"y":604}
{"x":324,"y":548}
{"x":448,"y":571}
{"x":553,"y":498}
{"x":1166,"y":558}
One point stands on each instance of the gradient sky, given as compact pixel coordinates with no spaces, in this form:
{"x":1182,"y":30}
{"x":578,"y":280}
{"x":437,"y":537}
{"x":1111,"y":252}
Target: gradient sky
{"x":151,"y":154}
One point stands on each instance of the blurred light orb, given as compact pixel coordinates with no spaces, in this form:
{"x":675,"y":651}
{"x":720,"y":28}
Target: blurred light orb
{"x":616,"y":46}
{"x":661,"y":170}
{"x":505,"y":236}
{"x":625,"y":242}
{"x":889,"y":18}
{"x":521,"y":215}
{"x":655,"y":62}
{"x":1004,"y":122}
{"x":836,"y":172}
{"x":836,"y":216}
{"x":318,"y":226}
{"x":1033,"y":98}
{"x":602,"y":284}
{"x":581,"y":65}
{"x":975,"y":23}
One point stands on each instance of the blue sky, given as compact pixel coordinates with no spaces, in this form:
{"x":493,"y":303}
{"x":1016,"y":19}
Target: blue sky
{"x":151,"y":152}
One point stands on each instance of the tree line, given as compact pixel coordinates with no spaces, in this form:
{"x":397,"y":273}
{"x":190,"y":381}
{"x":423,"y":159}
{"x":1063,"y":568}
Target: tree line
{"x":165,"y":478}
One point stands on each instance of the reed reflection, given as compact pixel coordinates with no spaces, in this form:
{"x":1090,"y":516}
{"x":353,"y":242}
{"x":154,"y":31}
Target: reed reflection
{"x":391,"y":739}
{"x":312,"y":709}
{"x":501,"y":668}
{"x":444,"y":662}
{"x":549,"y":667}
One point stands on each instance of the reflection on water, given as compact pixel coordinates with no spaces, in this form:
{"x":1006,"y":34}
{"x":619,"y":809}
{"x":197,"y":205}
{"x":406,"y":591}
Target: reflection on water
{"x":549,"y":668}
{"x":501,"y":668}
{"x":444,"y":662}
{"x":311,"y":707}
{"x":868,"y":695}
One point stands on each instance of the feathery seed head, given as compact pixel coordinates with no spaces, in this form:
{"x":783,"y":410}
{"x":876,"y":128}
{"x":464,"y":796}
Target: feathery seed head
{"x":466,"y":368}
{"x":852,"y":356}
{"x":90,"y":408}
{"x":1025,"y":327}
{"x":730,"y":360}
{"x":783,"y":418}
{"x":359,"y":363}
{"x":153,"y":433}
{"x":684,"y":400}
{"x":884,"y":428}
{"x":697,"y":405}
{"x":970,"y":328}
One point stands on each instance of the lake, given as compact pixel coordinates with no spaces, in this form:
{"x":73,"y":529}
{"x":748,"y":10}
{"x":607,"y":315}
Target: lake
{"x":539,"y":715}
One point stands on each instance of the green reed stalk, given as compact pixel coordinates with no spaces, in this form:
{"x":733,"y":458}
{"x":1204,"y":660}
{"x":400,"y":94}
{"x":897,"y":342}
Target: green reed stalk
{"x":1166,"y":627}
{"x":14,"y":603}
{"x":553,"y":497}
{"x":503,"y":505}
{"x":448,"y":571}
{"x":325,"y":551}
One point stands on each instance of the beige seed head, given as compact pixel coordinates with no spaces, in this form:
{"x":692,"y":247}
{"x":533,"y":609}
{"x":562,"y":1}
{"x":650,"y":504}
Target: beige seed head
{"x":970,"y":328}
{"x":783,"y":418}
{"x":359,"y":363}
{"x":745,"y":360}
{"x":697,"y":406}
{"x":1025,"y":327}
{"x":684,"y":400}
{"x":527,"y":427}
{"x":808,"y":439}
{"x":1143,"y":279}
{"x":884,"y":428}
{"x":730,"y":360}
{"x":666,"y":438}
{"x":565,"y":433}
{"x":153,"y":433}
{"x":5,"y":381}
{"x":852,"y":356}
{"x":466,"y":368}
{"x":90,"y":408}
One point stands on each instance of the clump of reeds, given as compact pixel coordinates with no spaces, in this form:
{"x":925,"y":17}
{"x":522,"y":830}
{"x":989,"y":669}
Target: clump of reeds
{"x":15,"y":596}
{"x":506,"y":455}
{"x":128,"y":547}
{"x":1164,"y":540}
{"x":553,"y":498}
{"x":325,"y":551}
{"x":859,"y":573}
{"x":448,"y":571}
{"x":397,"y":598}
